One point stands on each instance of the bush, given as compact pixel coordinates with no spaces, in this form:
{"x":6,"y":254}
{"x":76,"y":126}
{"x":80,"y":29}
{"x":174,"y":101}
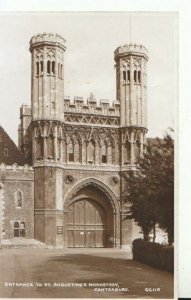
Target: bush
{"x":154,"y":254}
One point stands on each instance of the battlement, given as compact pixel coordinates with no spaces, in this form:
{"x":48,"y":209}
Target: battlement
{"x":47,"y":38}
{"x":15,"y":172}
{"x":15,"y":167}
{"x":131,"y":48}
{"x":104,"y":107}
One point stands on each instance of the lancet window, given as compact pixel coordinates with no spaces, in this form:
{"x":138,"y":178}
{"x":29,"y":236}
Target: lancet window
{"x":19,"y":199}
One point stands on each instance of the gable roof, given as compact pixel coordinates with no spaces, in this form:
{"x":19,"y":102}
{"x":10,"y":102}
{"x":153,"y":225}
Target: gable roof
{"x":9,"y":153}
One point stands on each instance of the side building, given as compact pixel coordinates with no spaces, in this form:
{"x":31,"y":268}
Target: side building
{"x":16,"y":192}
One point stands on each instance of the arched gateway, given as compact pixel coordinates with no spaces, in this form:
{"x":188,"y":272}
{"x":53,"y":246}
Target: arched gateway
{"x":91,"y":216}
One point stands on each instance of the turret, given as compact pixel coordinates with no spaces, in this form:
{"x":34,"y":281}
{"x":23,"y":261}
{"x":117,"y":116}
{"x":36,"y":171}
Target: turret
{"x":131,"y":91}
{"x":47,"y":52}
{"x":131,"y":84}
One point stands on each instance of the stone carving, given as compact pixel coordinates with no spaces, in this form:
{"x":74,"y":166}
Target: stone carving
{"x":114,"y":180}
{"x":69,"y":179}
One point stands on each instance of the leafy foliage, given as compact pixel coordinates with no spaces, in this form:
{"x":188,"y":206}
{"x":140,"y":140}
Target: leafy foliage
{"x":151,"y":188}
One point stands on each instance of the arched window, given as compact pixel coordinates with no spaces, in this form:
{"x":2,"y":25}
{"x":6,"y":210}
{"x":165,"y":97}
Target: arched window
{"x":59,"y":143}
{"x":19,"y":229}
{"x":53,"y":67}
{"x":48,"y":67}
{"x":37,"y":68}
{"x":16,"y":229}
{"x":104,"y":153}
{"x":39,"y":148}
{"x":64,"y":151}
{"x":135,"y":76}
{"x":124,"y":75}
{"x":59,"y":70}
{"x":77,"y":151}
{"x":71,"y":151}
{"x":22,"y":229}
{"x":19,"y":199}
{"x":61,"y":75}
{"x":91,"y":152}
{"x":139,"y":76}
{"x":128,"y":76}
{"x":50,"y":147}
{"x":109,"y":153}
{"x":126,"y":153}
{"x":41,"y":67}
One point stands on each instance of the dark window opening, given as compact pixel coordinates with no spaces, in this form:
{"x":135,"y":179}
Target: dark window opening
{"x":37,"y":68}
{"x":48,"y":67}
{"x":53,"y":105}
{"x":128,"y":76}
{"x":22,"y":229}
{"x":53,"y":67}
{"x":41,"y":67}
{"x":104,"y":159}
{"x":19,"y":229}
{"x":61,"y":71}
{"x":71,"y":156}
{"x":58,"y":70}
{"x":124,"y":75}
{"x":135,"y":76}
{"x":6,"y":152}
{"x":139,"y":76}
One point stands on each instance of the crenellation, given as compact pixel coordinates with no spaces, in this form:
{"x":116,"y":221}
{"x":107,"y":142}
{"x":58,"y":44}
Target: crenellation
{"x":131,"y":48}
{"x":15,"y":167}
{"x":47,"y":37}
{"x":92,"y":106}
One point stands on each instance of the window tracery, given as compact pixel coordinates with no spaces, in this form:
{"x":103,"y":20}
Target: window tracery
{"x":19,"y":199}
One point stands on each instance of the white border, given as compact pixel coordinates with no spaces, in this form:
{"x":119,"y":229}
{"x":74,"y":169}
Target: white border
{"x":183,"y":7}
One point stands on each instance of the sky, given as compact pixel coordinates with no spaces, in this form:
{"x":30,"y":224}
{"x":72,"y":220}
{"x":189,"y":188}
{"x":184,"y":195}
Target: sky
{"x":91,"y":38}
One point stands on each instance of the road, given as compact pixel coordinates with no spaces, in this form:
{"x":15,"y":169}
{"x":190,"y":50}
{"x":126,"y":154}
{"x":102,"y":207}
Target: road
{"x":91,"y":273}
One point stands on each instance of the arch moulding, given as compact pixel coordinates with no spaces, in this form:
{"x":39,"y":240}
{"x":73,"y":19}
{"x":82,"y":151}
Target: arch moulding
{"x":95,"y":183}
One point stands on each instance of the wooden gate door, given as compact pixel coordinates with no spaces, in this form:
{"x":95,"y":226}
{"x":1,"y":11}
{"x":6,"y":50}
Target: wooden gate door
{"x":86,"y":224}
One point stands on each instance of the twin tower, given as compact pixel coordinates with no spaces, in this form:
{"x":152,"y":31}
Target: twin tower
{"x":47,"y":52}
{"x":75,"y":142}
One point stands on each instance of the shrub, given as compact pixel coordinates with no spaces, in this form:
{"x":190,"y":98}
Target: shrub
{"x":153,"y":254}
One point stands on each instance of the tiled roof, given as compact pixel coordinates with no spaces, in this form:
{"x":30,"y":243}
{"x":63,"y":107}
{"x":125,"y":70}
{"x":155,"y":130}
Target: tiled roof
{"x":9,"y":153}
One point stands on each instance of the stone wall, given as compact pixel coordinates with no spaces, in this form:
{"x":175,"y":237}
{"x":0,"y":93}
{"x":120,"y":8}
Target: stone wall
{"x":17,"y":201}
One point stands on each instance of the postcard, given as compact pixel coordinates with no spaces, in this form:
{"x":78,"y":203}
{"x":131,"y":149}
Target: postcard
{"x":87,"y":103}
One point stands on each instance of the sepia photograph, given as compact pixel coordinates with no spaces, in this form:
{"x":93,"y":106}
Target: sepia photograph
{"x":87,"y":132}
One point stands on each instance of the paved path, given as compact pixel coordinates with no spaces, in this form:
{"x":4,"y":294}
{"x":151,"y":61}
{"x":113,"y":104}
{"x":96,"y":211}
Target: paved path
{"x":81,"y":268}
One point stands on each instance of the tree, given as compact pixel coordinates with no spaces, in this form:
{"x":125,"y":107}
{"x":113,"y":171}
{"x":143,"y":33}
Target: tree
{"x":166,"y":196}
{"x":150,"y":192}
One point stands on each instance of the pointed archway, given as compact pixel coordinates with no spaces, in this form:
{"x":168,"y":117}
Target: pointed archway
{"x":90,"y":215}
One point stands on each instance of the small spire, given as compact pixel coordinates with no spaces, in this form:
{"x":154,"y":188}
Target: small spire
{"x":92,"y":97}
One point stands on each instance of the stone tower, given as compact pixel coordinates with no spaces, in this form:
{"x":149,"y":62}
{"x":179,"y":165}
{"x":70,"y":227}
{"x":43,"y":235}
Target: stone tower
{"x":131,"y":91}
{"x":81,"y":148}
{"x":47,"y":52}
